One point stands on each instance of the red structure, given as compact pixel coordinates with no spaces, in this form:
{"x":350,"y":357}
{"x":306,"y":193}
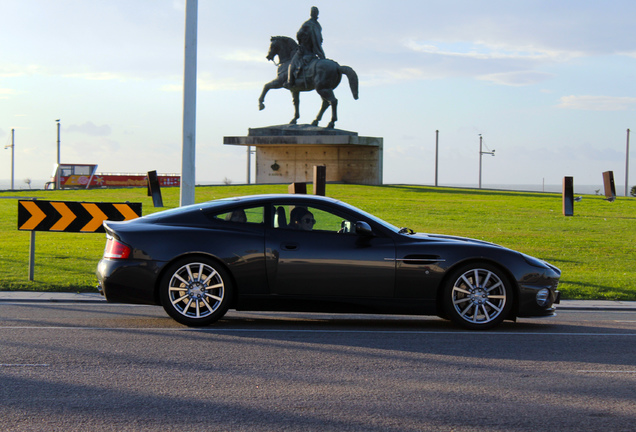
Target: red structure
{"x":85,"y":176}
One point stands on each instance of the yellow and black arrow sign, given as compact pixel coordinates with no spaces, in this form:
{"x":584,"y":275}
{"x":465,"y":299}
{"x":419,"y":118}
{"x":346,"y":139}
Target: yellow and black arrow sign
{"x":72,"y":216}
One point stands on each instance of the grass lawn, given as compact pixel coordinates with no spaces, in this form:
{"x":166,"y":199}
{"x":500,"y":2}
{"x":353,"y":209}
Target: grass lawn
{"x":595,"y":248}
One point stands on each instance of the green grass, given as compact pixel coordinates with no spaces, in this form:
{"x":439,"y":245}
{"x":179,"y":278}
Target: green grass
{"x":594,"y":248}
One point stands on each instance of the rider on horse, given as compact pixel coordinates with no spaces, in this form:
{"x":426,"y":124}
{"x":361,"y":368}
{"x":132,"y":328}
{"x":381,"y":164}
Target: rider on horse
{"x":309,"y":47}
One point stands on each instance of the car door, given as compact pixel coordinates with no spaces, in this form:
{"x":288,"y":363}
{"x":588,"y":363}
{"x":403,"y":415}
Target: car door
{"x":328,"y":260}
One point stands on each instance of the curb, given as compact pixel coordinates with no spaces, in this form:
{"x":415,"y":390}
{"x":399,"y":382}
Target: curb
{"x":50,"y":297}
{"x":70,"y":297}
{"x":597,"y":308}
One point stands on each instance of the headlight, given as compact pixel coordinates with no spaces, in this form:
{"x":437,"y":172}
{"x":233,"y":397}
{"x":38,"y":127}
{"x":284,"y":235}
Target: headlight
{"x":543,"y":297}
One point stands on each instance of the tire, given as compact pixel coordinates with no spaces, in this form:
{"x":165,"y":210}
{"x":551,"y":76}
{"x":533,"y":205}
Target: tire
{"x":196,"y":291}
{"x":477,"y":296}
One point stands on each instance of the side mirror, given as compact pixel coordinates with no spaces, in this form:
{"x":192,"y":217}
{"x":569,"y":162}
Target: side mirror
{"x":363,"y":228}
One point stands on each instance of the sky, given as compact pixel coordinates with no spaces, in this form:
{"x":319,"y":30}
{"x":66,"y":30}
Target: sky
{"x":549,"y":85}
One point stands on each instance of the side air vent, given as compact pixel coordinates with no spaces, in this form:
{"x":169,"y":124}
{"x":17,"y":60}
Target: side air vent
{"x":420,"y":259}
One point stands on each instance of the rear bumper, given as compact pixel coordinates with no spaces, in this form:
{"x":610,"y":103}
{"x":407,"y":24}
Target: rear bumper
{"x":128,"y":281}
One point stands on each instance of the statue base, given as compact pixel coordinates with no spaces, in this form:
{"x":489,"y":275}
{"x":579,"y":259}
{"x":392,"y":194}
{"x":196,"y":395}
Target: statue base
{"x":288,"y":153}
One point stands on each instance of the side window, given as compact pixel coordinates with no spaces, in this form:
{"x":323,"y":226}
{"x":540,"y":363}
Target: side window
{"x":241,"y":215}
{"x":310,"y":219}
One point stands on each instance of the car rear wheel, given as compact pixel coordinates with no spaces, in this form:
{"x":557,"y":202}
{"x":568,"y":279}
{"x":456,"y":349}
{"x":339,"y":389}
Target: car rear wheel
{"x":196,"y":291}
{"x":478,"y":296}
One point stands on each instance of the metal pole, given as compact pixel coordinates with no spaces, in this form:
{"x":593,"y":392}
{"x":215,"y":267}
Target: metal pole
{"x":249,"y":168}
{"x":32,"y":252}
{"x":32,"y":256}
{"x":189,"y":105}
{"x":480,"y":155}
{"x":12,"y":157}
{"x":12,"y":146}
{"x":627,"y":166}
{"x":436,"y":154}
{"x":491,"y":153}
{"x":57,"y":176}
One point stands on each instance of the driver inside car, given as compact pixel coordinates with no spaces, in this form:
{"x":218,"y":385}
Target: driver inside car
{"x":302,"y":219}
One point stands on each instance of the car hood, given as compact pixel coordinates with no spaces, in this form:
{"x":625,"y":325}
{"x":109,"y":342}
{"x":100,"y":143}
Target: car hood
{"x":453,"y":239}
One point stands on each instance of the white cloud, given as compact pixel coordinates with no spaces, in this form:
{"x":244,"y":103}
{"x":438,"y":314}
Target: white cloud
{"x":4,"y":93}
{"x":245,"y":56}
{"x":520,"y":78}
{"x":15,"y":70}
{"x":598,"y":103}
{"x":96,"y":76}
{"x":89,"y":128}
{"x":205,"y":83}
{"x":489,"y":51}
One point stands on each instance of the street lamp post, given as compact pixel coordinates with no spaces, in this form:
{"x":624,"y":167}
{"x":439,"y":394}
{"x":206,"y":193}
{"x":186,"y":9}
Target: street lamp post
{"x":57,"y":168}
{"x":436,"y":154}
{"x":188,"y":151}
{"x":12,"y":146}
{"x":481,"y":153}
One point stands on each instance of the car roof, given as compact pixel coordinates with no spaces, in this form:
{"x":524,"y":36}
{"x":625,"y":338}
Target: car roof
{"x":277,"y":196}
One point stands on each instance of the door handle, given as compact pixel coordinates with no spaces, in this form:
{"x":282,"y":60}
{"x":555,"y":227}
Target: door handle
{"x":290,"y":246}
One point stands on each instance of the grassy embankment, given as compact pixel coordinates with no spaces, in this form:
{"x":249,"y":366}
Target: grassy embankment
{"x":595,"y":248}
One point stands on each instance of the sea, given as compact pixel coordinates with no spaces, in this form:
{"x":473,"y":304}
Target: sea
{"x":578,"y":189}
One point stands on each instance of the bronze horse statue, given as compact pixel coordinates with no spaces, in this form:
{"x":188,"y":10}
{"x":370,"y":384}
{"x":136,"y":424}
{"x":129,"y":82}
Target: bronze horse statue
{"x":322,"y":75}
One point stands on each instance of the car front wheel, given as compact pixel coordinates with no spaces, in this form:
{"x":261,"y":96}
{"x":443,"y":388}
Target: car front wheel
{"x":195,"y":291}
{"x":478,"y":296}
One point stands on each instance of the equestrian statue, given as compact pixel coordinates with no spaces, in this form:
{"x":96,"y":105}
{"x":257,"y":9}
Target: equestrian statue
{"x":303,"y":66}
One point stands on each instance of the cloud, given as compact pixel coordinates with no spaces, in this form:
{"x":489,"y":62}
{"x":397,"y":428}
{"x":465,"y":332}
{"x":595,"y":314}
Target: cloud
{"x":96,"y":76}
{"x":520,"y":78}
{"x":16,"y":70}
{"x":598,"y":103}
{"x":244,"y":56}
{"x":498,"y":63}
{"x":206,"y":82}
{"x":4,"y":93}
{"x":91,"y":129}
{"x":488,"y":51}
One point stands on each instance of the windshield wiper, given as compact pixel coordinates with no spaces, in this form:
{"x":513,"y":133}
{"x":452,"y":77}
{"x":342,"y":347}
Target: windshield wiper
{"x":406,"y":231}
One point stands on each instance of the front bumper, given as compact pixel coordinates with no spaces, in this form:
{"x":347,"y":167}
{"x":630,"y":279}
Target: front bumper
{"x":531,"y":285}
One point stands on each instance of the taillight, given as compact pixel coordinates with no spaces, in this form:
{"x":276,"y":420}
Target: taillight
{"x":115,"y":249}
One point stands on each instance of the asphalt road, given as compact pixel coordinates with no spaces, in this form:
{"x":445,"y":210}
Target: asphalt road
{"x":103,"y":367}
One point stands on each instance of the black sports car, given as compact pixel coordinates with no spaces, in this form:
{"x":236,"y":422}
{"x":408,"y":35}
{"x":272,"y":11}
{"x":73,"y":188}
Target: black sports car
{"x":310,"y":253}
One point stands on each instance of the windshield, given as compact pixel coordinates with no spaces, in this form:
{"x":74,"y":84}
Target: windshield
{"x":373,"y":218}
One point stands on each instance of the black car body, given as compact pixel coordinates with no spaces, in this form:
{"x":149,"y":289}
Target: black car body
{"x":251,"y":253}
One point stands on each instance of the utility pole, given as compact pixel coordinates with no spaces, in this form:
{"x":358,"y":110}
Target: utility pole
{"x":627,"y":166}
{"x":12,"y":146}
{"x":481,"y":153}
{"x":189,"y":105}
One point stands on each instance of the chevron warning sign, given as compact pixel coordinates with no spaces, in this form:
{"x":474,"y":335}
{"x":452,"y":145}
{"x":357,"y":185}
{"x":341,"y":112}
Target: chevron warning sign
{"x":72,"y":216}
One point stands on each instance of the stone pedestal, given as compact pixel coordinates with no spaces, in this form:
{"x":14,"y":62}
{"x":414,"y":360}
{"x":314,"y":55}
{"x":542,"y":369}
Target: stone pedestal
{"x":288,"y":153}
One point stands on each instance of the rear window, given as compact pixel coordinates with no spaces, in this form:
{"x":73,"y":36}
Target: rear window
{"x":252,"y":215}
